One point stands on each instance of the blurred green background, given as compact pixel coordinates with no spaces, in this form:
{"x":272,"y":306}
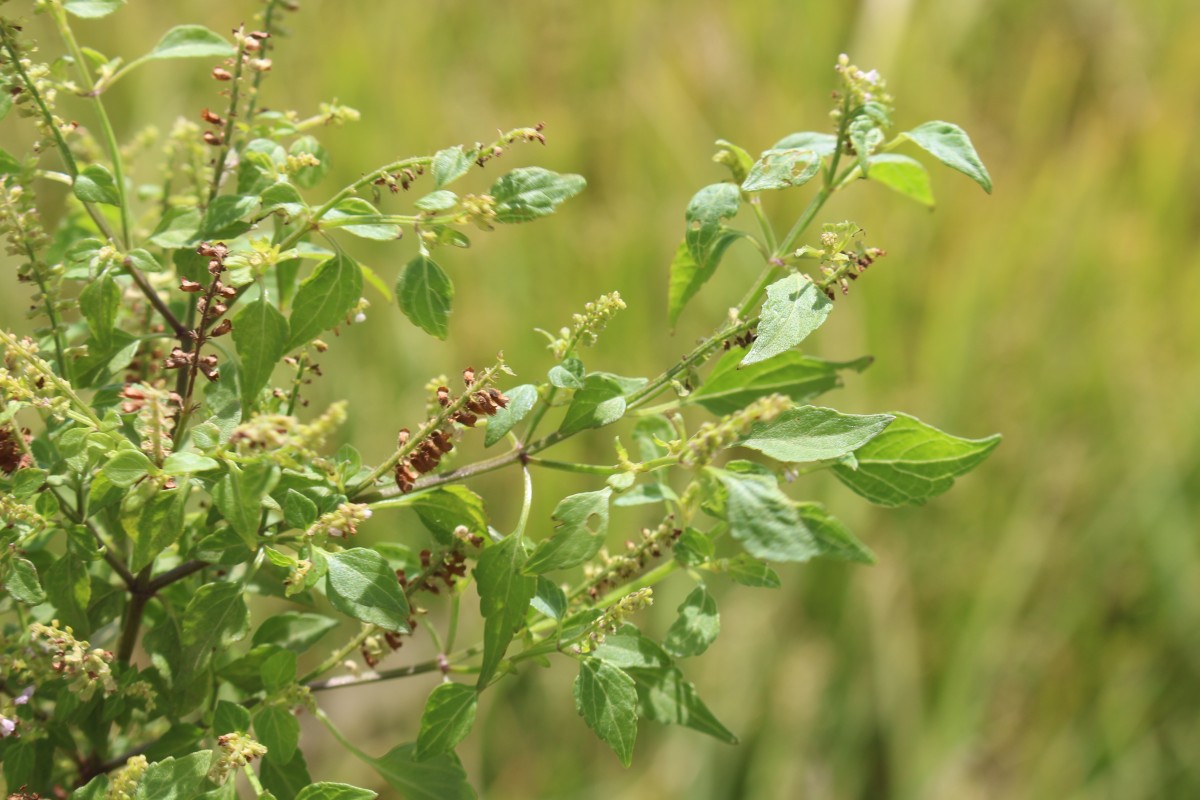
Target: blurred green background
{"x":1034,"y":633}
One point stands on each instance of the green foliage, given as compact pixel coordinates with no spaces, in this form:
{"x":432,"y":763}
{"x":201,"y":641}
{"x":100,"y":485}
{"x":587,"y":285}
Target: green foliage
{"x":166,"y":477}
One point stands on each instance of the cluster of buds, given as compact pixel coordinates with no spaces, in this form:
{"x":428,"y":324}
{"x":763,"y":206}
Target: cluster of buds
{"x":424,"y":455}
{"x":614,"y":617}
{"x":235,"y":750}
{"x":446,"y":566}
{"x":297,"y":579}
{"x":479,"y":209}
{"x":155,"y":409}
{"x":614,"y":570}
{"x":14,"y":513}
{"x":13,"y":455}
{"x":337,"y":114}
{"x":287,"y":438}
{"x":859,"y":87}
{"x":533,"y":134}
{"x":21,"y":224}
{"x":842,"y":255}
{"x":342,"y":522}
{"x":26,"y":81}
{"x":211,"y":308}
{"x":395,"y":181}
{"x":84,"y":668}
{"x":124,"y":782}
{"x":377,"y":646}
{"x":25,"y":377}
{"x":716,"y":435}
{"x":743,"y":340}
{"x":586,"y":327}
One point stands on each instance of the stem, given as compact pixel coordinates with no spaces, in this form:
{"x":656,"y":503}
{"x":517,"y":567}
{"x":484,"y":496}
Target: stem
{"x":568,"y":466}
{"x":181,"y":330}
{"x":420,"y":668}
{"x":106,"y":128}
{"x":526,"y":504}
{"x":132,"y":623}
{"x":230,"y":116}
{"x":176,"y":574}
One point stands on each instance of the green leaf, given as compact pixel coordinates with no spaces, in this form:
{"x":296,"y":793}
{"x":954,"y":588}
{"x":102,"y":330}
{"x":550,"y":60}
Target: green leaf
{"x":567,"y":375}
{"x":298,"y":510}
{"x":186,"y":463}
{"x":21,"y":581}
{"x":69,"y":588}
{"x":178,"y":228}
{"x":504,"y":595}
{"x":950,"y":144}
{"x":600,"y":402}
{"x":223,"y":218}
{"x":693,"y":548}
{"x":278,"y":672}
{"x":835,"y":539}
{"x":687,"y":275}
{"x":230,"y":717}
{"x":445,"y":508}
{"x":911,"y":462}
{"x":530,"y":192}
{"x":606,"y":698}
{"x":812,"y":433}
{"x":191,"y":41}
{"x":308,"y":177}
{"x":696,"y":627}
{"x":360,"y":584}
{"x":798,"y":376}
{"x":99,"y":302}
{"x":438,"y":778}
{"x":284,"y":779}
{"x":442,"y":200}
{"x":91,"y":9}
{"x":95,"y":184}
{"x":705,"y":211}
{"x":764,"y":520}
{"x":823,"y":144}
{"x":261,"y":335}
{"x":324,"y":299}
{"x":735,"y":158}
{"x":335,"y":791}
{"x":449,"y":165}
{"x":749,"y":571}
{"x":174,"y":778}
{"x":278,"y":729}
{"x":127,"y":467}
{"x":425,"y":293}
{"x":214,"y":619}
{"x":9,"y":165}
{"x":239,"y":494}
{"x":665,"y":696}
{"x":904,"y":175}
{"x":781,"y":169}
{"x":294,"y":630}
{"x":582,"y":527}
{"x":353,"y":207}
{"x":448,"y":717}
{"x":549,"y":598}
{"x":521,"y":400}
{"x":155,"y":526}
{"x":794,"y":308}
{"x":26,"y":482}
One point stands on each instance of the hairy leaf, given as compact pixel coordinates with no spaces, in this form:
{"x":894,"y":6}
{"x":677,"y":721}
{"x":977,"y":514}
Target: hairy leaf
{"x":174,"y":778}
{"x":191,"y":41}
{"x":335,"y":791}
{"x":600,"y":402}
{"x":798,"y":376}
{"x":781,"y":169}
{"x":530,"y":192}
{"x":278,"y":729}
{"x":261,"y":335}
{"x":504,"y":595}
{"x":297,"y":631}
{"x":823,"y":144}
{"x":95,"y":184}
{"x":696,"y":627}
{"x":449,"y":165}
{"x":904,"y":175}
{"x":606,"y":698}
{"x":437,"y":778}
{"x":425,"y":293}
{"x":446,"y":507}
{"x":794,"y":308}
{"x":812,"y":433}
{"x":324,"y":299}
{"x":521,"y":400}
{"x":91,"y":9}
{"x":239,"y":494}
{"x":21,"y":581}
{"x":687,"y":275}
{"x":834,"y":538}
{"x":764,"y":520}
{"x":950,"y":144}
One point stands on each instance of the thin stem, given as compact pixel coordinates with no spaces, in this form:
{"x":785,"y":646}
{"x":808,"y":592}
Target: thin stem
{"x":264,"y":51}
{"x":133,"y":616}
{"x":764,"y":224}
{"x":568,"y":466}
{"x":176,"y":574}
{"x":452,"y":627}
{"x":526,"y":504}
{"x":106,"y":128}
{"x":181,"y":330}
{"x":15,"y":61}
{"x":230,"y":116}
{"x":420,"y":668}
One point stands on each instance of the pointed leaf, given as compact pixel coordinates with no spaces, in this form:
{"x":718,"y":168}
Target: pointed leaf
{"x":904,"y":175}
{"x":215,"y":618}
{"x":425,"y":293}
{"x":911,"y":462}
{"x":950,"y":144}
{"x":95,"y":184}
{"x":91,"y":9}
{"x":438,"y":778}
{"x":812,"y":433}
{"x":360,"y":584}
{"x":191,"y":41}
{"x":284,"y":779}
{"x":606,"y":698}
{"x":794,"y":308}
{"x":600,"y":402}
{"x":798,"y":376}
{"x":781,"y":169}
{"x":324,"y":299}
{"x":449,"y":165}
{"x":764,"y":520}
{"x":261,"y":335}
{"x":22,"y":582}
{"x":174,"y":778}
{"x":99,"y":302}
{"x":447,"y":507}
{"x":521,"y":400}
{"x":835,"y":539}
{"x":346,"y":214}
{"x":665,"y":696}
{"x":447,"y":719}
{"x":705,"y":211}
{"x":239,"y":494}
{"x":687,"y":275}
{"x":582,"y":527}
{"x":823,"y":144}
{"x":335,"y":791}
{"x":504,"y":595}
{"x":279,"y":730}
{"x":696,"y":627}
{"x":530,"y":192}
{"x":294,"y":630}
